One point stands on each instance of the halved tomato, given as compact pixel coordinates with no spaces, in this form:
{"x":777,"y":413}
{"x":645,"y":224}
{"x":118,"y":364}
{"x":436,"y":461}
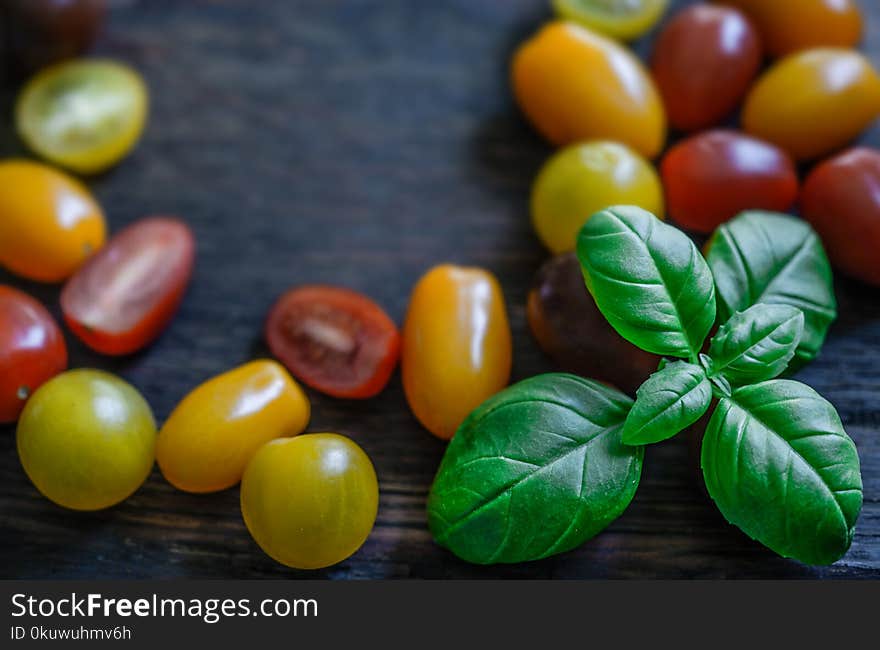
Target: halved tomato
{"x":335,"y":340}
{"x":622,"y":19}
{"x":85,"y":114}
{"x":124,"y":296}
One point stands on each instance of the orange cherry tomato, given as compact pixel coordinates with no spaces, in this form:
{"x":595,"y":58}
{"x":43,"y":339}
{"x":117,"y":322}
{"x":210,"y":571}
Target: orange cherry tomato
{"x":456,"y":346}
{"x":841,"y":199}
{"x":32,"y":350}
{"x":704,"y":61}
{"x":814,"y":102}
{"x":711,"y":177}
{"x":787,"y":26}
{"x":335,"y":340}
{"x":125,"y":295}
{"x":49,"y":223}
{"x":212,"y":434}
{"x":575,"y":84}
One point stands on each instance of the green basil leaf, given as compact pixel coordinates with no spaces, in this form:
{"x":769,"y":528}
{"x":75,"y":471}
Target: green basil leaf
{"x":756,"y":344}
{"x":649,"y":280}
{"x":535,"y":470}
{"x":764,"y":257}
{"x":670,"y":400}
{"x":779,"y":465}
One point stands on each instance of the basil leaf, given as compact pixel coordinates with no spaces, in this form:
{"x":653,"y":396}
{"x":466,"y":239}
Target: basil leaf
{"x":535,"y":470}
{"x":765,"y":257}
{"x":670,"y":400}
{"x":649,"y":280}
{"x":756,"y":344}
{"x":779,"y":465}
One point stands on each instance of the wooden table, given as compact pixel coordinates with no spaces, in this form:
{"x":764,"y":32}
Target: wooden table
{"x":358,"y":142}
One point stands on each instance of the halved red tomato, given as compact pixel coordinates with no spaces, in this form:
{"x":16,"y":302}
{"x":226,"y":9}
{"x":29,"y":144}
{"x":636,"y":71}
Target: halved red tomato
{"x":126,"y":294}
{"x":32,"y":350}
{"x":335,"y":340}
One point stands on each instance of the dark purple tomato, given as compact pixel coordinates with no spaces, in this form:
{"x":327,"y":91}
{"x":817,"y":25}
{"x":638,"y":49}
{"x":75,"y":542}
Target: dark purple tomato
{"x":841,"y":199}
{"x":704,"y":61}
{"x":573,"y":332}
{"x":36,"y":33}
{"x":712,"y":177}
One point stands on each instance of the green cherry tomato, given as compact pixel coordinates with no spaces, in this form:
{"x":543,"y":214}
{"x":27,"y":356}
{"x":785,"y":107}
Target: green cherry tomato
{"x":310,"y":501}
{"x":584,"y":179}
{"x":623,"y":19}
{"x":86,"y":439}
{"x":85,"y":115}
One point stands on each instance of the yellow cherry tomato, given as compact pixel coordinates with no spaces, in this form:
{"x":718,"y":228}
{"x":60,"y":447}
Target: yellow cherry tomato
{"x":584,"y":179}
{"x":86,"y":439}
{"x":310,"y":501}
{"x":85,"y":114}
{"x":49,"y":223}
{"x":623,"y":19}
{"x":575,"y":84}
{"x":212,"y":434}
{"x":456,"y":346}
{"x":814,"y":102}
{"x":787,"y":26}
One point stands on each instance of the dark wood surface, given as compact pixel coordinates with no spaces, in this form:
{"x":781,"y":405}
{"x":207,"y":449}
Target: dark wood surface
{"x":359,"y":142}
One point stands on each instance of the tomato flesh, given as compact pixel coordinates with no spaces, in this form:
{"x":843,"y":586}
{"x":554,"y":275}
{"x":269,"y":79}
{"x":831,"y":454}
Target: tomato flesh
{"x":32,"y":350}
{"x":712,"y":177}
{"x":85,"y":115}
{"x":625,"y":20}
{"x":125,"y":295}
{"x":335,"y":340}
{"x":841,"y":199}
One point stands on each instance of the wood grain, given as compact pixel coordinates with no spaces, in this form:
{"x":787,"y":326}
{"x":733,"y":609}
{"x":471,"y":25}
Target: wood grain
{"x":358,"y":142}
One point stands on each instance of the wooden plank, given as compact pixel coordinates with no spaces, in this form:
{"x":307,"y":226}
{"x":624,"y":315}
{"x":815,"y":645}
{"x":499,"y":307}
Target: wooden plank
{"x":358,"y":143}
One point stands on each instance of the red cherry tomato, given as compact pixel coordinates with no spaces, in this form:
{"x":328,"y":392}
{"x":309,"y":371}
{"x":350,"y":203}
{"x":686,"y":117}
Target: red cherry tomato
{"x":841,"y":199}
{"x":704,"y":61}
{"x":335,"y":340}
{"x":124,"y":296}
{"x":712,"y":177}
{"x":32,"y":350}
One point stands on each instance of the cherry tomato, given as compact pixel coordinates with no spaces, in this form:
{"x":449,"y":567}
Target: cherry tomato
{"x":572,"y":331}
{"x":32,"y":350}
{"x":456,"y":346}
{"x":213,"y":433}
{"x":86,"y":439}
{"x":49,"y":223}
{"x":41,"y":32}
{"x":335,"y":340}
{"x":85,"y":115}
{"x":814,"y":102}
{"x":841,"y":199}
{"x":126,"y":294}
{"x":310,"y":501}
{"x":626,"y":20}
{"x":586,"y":178}
{"x":712,"y":177}
{"x":704,"y":61}
{"x":787,"y":26}
{"x":574,"y":84}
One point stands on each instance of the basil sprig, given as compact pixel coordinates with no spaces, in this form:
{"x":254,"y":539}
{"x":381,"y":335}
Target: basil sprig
{"x":550,"y":462}
{"x":649,"y":281}
{"x":536,"y":470}
{"x":775,"y":259}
